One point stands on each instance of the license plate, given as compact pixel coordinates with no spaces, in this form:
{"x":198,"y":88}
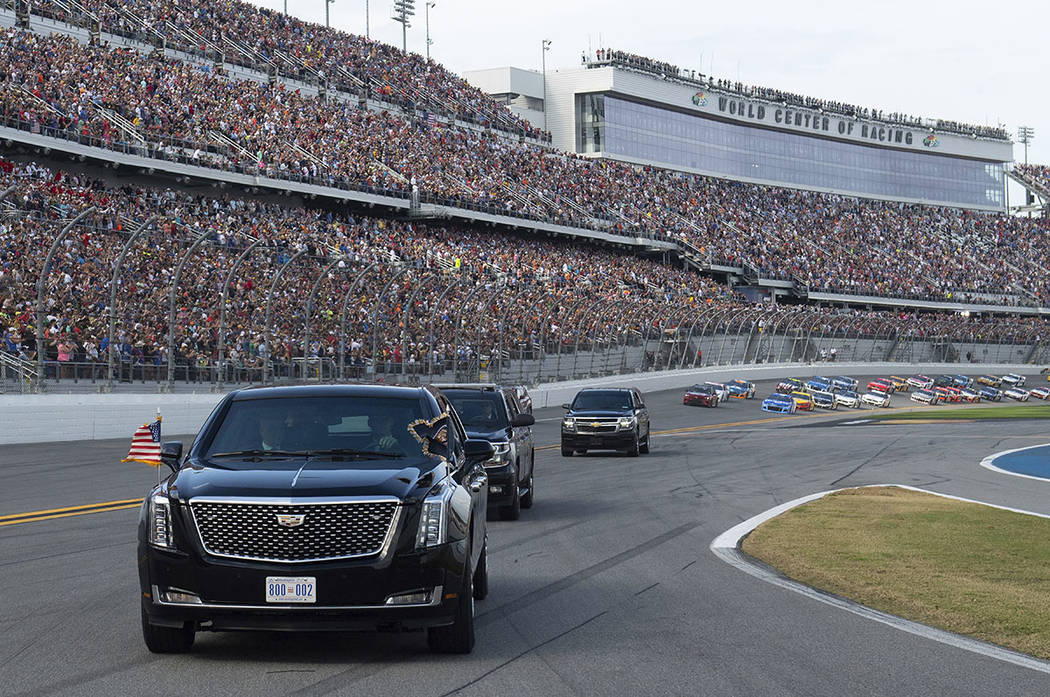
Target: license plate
{"x":291,"y":589}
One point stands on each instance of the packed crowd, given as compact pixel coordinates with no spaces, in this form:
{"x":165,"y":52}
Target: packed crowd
{"x":1037,"y":174}
{"x":245,"y":33}
{"x":56,"y":86}
{"x":426,"y":280}
{"x":669,"y":70}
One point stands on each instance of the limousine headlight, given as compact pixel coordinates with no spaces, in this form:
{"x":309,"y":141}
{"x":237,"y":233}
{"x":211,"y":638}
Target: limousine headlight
{"x":568,"y":424}
{"x":433,"y":529}
{"x":159,"y":522}
{"x":626,"y":422}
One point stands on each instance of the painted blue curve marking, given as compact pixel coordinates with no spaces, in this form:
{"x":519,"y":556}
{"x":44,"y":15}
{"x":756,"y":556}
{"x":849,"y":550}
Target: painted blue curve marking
{"x":1030,"y":462}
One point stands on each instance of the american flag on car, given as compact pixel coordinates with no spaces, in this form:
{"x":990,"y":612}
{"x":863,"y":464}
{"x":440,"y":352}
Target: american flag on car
{"x":145,"y":445}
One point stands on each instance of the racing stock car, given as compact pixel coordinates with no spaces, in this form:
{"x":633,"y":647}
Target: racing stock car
{"x":825,"y":400}
{"x":1040,"y":393}
{"x":925,"y":397}
{"x":881,"y":385}
{"x":990,"y":394}
{"x":899,"y":384}
{"x":779,"y":403}
{"x":818,"y":382}
{"x":701,"y":396}
{"x":875,"y":399}
{"x":741,"y":389}
{"x":1013,"y":379}
{"x":848,"y":398}
{"x":923,"y":382}
{"x":803,"y":400}
{"x":788,"y":385}
{"x":990,"y":380}
{"x":844,"y":382}
{"x":1018,"y":394}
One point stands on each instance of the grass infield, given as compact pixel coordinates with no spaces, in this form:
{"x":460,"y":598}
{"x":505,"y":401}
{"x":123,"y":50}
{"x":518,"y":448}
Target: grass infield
{"x":1009,"y":411}
{"x":967,"y":568}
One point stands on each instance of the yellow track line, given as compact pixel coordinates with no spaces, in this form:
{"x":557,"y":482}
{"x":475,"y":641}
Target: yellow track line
{"x":104,"y":504}
{"x":37,"y":516}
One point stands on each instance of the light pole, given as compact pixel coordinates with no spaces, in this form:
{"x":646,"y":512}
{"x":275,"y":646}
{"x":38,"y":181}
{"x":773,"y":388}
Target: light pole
{"x":1025,"y":134}
{"x":403,"y":10}
{"x":546,"y":47}
{"x":326,"y":4}
{"x":368,"y":33}
{"x":429,"y":5}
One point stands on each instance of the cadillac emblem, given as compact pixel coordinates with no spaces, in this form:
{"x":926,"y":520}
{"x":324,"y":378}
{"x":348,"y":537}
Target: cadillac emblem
{"x":289,"y":520}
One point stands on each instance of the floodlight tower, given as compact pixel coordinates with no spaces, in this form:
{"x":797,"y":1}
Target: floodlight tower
{"x":546,"y":47}
{"x":326,"y":4}
{"x":429,"y":42}
{"x":1025,"y":134}
{"x":403,"y":10}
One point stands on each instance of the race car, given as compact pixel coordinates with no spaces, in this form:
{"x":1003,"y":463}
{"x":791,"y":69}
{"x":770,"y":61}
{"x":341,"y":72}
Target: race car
{"x":899,"y":384}
{"x":1013,"y":379}
{"x":967,"y":394}
{"x":720,"y":390}
{"x":947,"y":394}
{"x":825,"y":400}
{"x":944,"y":381}
{"x":1040,"y":393}
{"x":741,"y":389}
{"x":923,"y":382}
{"x":990,"y":394}
{"x":881,"y":385}
{"x":779,"y":402}
{"x":848,"y":398}
{"x":844,"y":382}
{"x":962,"y":380}
{"x":701,"y":396}
{"x":1018,"y":394}
{"x":990,"y":380}
{"x":818,"y":382}
{"x":803,"y":400}
{"x":925,"y":397}
{"x":790,"y":385}
{"x":875,"y":399}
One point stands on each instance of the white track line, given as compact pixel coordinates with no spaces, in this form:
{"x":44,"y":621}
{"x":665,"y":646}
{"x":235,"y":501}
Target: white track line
{"x":727,"y":547}
{"x":989,"y":462}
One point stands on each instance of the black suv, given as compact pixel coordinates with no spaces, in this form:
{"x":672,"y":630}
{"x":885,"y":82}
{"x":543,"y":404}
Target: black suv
{"x":605,"y":419}
{"x":335,"y":507}
{"x":495,"y":414}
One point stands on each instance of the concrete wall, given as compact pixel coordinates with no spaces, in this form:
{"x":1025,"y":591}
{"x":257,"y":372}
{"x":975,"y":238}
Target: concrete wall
{"x":74,"y":417}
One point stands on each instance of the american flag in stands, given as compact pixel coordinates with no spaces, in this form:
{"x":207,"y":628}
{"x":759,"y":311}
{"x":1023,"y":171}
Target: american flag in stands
{"x":145,"y":445}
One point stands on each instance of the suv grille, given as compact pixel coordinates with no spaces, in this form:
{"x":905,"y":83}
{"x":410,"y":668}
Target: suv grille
{"x":325,"y":531}
{"x":597,"y":424}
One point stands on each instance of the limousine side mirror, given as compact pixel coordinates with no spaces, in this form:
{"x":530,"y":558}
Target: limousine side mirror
{"x":523,"y":420}
{"x":566,"y":406}
{"x":171,"y":453}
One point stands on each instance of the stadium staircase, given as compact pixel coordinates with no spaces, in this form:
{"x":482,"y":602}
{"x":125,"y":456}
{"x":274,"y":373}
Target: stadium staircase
{"x":1031,"y":184}
{"x":16,"y":374}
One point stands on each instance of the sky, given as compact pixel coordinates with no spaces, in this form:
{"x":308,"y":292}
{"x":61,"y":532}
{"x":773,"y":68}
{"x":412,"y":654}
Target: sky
{"x":981,"y":63}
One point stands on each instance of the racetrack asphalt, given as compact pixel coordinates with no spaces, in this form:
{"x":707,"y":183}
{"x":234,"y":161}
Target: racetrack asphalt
{"x":607,"y":586}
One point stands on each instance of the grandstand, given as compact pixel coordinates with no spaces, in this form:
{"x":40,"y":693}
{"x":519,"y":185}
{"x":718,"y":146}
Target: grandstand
{"x":350,"y":232}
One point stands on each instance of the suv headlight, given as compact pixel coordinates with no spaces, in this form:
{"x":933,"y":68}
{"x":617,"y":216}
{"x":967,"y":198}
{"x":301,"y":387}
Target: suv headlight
{"x":159,"y":522}
{"x":626,"y":422}
{"x":568,"y":423}
{"x":433,"y":528}
{"x":501,"y":456}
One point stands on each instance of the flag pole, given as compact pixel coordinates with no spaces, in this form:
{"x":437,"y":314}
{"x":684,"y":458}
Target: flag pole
{"x":161,"y":439}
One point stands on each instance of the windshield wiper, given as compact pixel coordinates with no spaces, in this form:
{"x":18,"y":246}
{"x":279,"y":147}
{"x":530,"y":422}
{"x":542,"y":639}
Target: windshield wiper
{"x":257,"y":455}
{"x":355,"y":453}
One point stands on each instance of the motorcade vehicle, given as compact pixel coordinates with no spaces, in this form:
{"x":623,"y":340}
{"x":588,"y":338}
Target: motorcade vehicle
{"x":899,"y":384}
{"x":818,"y":382}
{"x":881,"y":385}
{"x":962,"y":380}
{"x":925,"y":397}
{"x":741,"y":389}
{"x":701,"y":396}
{"x":1013,"y":379}
{"x":780,"y":403}
{"x":494,"y":413}
{"x":824,"y":400}
{"x":990,"y":380}
{"x":848,"y":398}
{"x":803,"y":400}
{"x":720,"y":389}
{"x":990,"y":394}
{"x":321,"y":507}
{"x":1018,"y":394}
{"x":605,"y":418}
{"x":788,"y":385}
{"x":1040,"y":392}
{"x":875,"y":399}
{"x":844,"y":382}
{"x":923,"y":382}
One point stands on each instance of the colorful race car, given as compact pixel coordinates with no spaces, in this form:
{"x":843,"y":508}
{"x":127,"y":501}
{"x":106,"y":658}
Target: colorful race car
{"x":844,"y":382}
{"x":1013,"y":379}
{"x":881,"y":385}
{"x":962,"y":380}
{"x":790,"y":385}
{"x":721,"y":390}
{"x":947,"y":394}
{"x":899,"y":384}
{"x":803,"y":400}
{"x":825,"y":400}
{"x":1018,"y":394}
{"x":741,"y":389}
{"x":990,"y":380}
{"x":923,"y":382}
{"x":818,"y":382}
{"x":701,"y":396}
{"x":848,"y":398}
{"x":968,"y":394}
{"x":990,"y":394}
{"x":1040,"y":393}
{"x":779,"y":402}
